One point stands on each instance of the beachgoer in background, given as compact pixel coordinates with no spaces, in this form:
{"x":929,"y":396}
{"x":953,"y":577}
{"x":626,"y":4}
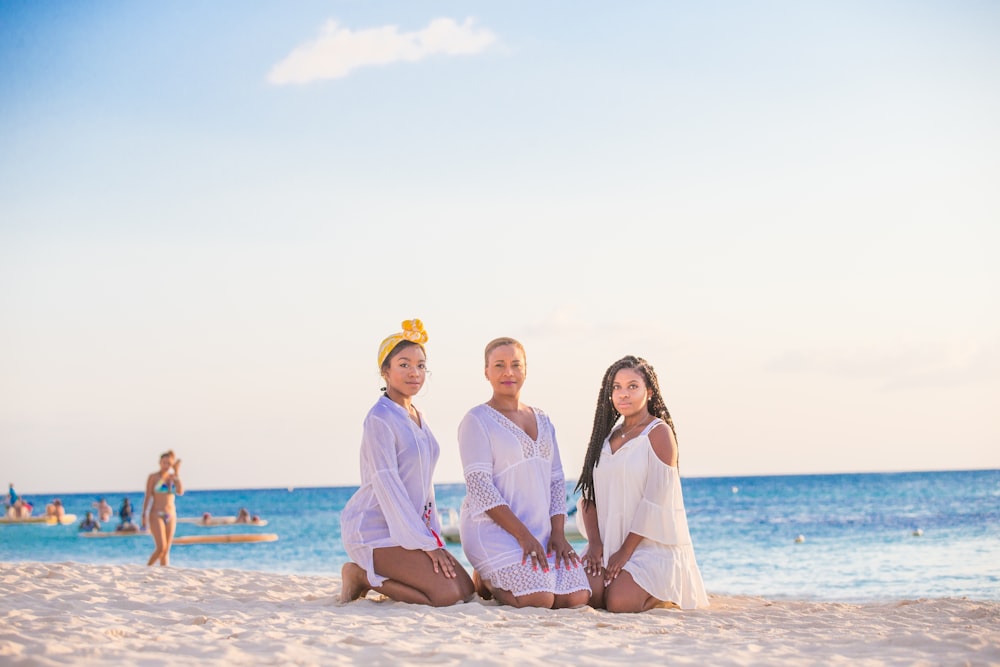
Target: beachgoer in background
{"x":89,"y":523}
{"x":390,"y":527}
{"x":55,"y":510}
{"x":206,"y":518}
{"x":104,"y":510}
{"x":125,"y":517}
{"x":512,"y":521}
{"x":639,"y":553}
{"x":243,"y":516}
{"x":17,"y":506}
{"x":158,"y":510}
{"x":11,"y":504}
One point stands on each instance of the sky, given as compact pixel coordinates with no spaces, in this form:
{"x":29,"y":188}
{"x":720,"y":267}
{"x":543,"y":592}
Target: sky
{"x":211,"y":214}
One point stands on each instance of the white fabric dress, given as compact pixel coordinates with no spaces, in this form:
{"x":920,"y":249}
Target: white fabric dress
{"x":636,"y":492}
{"x":504,"y":466}
{"x":395,"y":504}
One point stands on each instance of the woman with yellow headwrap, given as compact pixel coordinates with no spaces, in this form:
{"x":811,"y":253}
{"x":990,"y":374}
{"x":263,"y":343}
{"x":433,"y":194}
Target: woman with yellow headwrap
{"x":390,"y":527}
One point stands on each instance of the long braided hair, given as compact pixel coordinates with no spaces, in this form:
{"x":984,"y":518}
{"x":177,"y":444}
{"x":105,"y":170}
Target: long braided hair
{"x":606,"y":416}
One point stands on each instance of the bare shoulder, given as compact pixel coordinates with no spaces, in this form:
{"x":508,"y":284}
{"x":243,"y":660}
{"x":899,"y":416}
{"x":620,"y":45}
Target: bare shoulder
{"x":661,"y":439}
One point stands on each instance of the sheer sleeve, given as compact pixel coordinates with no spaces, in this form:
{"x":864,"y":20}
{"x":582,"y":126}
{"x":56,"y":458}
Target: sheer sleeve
{"x":557,"y":485}
{"x":477,"y":466}
{"x":660,"y":515}
{"x":378,"y":452}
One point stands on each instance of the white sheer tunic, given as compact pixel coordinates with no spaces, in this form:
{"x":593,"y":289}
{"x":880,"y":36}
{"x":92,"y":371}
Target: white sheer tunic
{"x":636,"y":492}
{"x":504,"y":466}
{"x":394,"y":507}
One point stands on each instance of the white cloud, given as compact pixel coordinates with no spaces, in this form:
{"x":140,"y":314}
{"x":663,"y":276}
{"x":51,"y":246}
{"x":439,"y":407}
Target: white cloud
{"x":338,"y":51}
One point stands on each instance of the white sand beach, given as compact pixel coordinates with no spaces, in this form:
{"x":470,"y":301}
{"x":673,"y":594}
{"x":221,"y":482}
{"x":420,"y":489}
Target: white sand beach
{"x":75,"y":614}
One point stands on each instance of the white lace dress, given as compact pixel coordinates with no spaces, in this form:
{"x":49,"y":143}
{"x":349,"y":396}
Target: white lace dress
{"x":636,"y":492}
{"x":504,"y":466}
{"x":395,"y":504}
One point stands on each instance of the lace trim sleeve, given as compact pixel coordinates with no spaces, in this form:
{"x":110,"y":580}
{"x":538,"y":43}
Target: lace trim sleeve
{"x":557,"y":484}
{"x":482,"y":493}
{"x":557,"y":496}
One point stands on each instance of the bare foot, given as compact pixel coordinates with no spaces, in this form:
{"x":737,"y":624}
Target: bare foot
{"x":354,"y":583}
{"x":482,"y":587}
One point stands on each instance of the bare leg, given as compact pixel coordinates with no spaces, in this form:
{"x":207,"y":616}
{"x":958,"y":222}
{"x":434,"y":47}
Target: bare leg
{"x":623,"y":595}
{"x":542,"y":600}
{"x":571,"y":600}
{"x":158,"y":529}
{"x":596,"y":590}
{"x":354,"y":582}
{"x":411,"y":578}
{"x":484,"y":588}
{"x":170,"y":529}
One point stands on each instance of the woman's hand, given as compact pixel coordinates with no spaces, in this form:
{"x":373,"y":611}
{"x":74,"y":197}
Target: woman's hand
{"x":593,"y":559}
{"x":615,"y":564}
{"x":564,"y":553}
{"x":177,"y":468}
{"x":443,"y":562}
{"x":533,"y":553}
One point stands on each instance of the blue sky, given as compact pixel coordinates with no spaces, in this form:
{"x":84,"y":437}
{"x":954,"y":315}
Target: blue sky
{"x":212,"y":213}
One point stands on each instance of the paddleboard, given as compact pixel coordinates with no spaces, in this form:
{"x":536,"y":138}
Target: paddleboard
{"x":219,"y":521}
{"x":46,"y":520}
{"x":225,"y":539}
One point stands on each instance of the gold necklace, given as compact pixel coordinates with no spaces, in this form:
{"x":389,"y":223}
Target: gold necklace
{"x":623,"y":431}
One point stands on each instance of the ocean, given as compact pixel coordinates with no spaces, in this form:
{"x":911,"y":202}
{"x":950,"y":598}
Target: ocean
{"x":842,"y":538}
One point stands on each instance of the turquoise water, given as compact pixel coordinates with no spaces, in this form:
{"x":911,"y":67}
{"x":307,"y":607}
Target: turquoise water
{"x":858,"y":530}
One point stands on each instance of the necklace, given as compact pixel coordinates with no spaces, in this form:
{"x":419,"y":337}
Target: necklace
{"x":623,"y":432}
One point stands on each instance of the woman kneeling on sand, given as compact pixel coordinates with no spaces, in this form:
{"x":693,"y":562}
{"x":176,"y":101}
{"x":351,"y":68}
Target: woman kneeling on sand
{"x":390,"y":527}
{"x":639,"y":552}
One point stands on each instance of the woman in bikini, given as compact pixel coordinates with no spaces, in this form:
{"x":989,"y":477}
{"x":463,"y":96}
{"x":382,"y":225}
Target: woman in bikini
{"x":158,"y":510}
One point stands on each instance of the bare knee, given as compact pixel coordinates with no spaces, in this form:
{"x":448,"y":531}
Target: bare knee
{"x":574,"y":599}
{"x":446,"y":594}
{"x":621,"y":604}
{"x":543,"y":600}
{"x":616,"y":607}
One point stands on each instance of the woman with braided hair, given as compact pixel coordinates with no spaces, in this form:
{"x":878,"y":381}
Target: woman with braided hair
{"x":639,"y":553}
{"x":390,"y":526}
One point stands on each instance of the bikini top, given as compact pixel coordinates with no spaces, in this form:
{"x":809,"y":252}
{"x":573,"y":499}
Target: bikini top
{"x":164,"y":486}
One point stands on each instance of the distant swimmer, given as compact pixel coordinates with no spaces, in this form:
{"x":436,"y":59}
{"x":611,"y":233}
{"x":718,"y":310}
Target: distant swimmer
{"x":89,"y":523}
{"x":125,"y":523}
{"x":55,"y":510}
{"x":800,"y":539}
{"x":104,"y":510}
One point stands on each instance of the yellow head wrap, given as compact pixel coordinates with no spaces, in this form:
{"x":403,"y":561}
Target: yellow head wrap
{"x":413,"y":331}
